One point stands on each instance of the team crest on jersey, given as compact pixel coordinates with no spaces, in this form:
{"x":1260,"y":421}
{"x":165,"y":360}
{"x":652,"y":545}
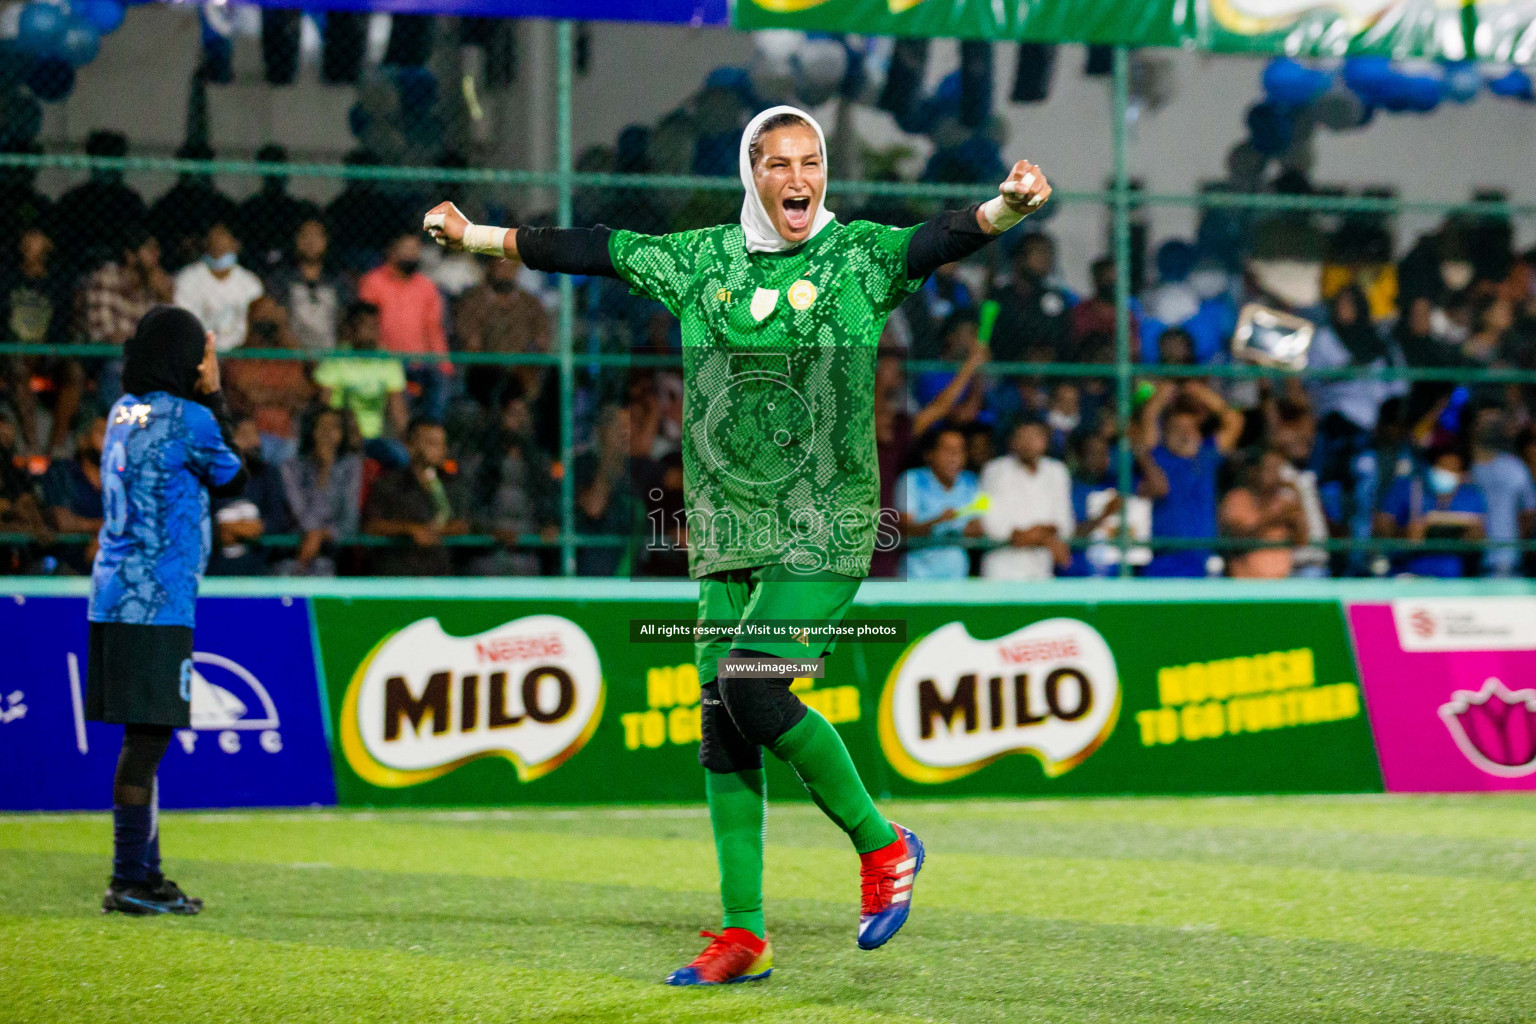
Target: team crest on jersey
{"x":801,"y":294}
{"x":763,"y":302}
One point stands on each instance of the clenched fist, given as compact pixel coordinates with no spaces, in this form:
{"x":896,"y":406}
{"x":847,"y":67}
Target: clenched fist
{"x":1026,"y":189}
{"x":446,"y":225}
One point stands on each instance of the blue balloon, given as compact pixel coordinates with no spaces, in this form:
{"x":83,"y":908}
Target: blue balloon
{"x":1422,"y":93}
{"x":105,"y":16}
{"x":1514,"y":83}
{"x":40,"y":30}
{"x":81,"y":43}
{"x":51,"y":79}
{"x":1270,"y":128}
{"x":1292,"y":84}
{"x":1462,"y":81}
{"x":1368,"y":77}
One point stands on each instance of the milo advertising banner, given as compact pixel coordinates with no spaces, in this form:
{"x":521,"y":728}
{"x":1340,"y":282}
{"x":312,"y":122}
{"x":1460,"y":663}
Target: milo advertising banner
{"x":1121,"y":698}
{"x":557,"y":701}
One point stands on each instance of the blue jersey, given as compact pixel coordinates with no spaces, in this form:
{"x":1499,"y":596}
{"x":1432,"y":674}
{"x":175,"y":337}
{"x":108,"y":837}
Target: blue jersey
{"x":160,"y":455}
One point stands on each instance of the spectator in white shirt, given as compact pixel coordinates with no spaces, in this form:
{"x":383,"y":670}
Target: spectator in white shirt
{"x":218,"y":289}
{"x":1030,"y":508}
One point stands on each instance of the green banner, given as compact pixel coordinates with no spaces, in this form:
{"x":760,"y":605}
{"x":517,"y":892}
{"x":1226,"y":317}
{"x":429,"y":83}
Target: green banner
{"x":1403,"y":28}
{"x":552,"y":701}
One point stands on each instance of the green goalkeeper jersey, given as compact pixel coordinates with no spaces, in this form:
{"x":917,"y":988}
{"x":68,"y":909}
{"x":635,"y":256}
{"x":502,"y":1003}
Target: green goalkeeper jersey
{"x":779,"y":463}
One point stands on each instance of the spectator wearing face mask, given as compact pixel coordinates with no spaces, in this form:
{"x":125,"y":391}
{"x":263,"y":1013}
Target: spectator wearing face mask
{"x":497,"y":316}
{"x":1438,"y":503}
{"x":218,"y":290}
{"x":1506,"y":485}
{"x":410,"y":318}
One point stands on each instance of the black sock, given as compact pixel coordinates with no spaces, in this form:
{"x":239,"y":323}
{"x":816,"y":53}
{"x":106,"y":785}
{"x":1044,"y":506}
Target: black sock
{"x":131,"y":827}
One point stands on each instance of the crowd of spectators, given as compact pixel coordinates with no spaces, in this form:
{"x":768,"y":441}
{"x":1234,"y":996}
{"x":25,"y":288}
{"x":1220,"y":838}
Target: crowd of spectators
{"x":372,"y":452}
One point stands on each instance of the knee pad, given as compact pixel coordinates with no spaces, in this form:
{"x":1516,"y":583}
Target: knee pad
{"x":763,"y":709}
{"x":722,"y":747}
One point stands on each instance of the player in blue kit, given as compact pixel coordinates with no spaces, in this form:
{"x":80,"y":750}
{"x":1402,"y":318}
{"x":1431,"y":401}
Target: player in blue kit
{"x":167,"y":448}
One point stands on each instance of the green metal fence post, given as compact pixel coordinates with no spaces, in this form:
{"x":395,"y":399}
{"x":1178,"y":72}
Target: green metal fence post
{"x":1120,"y":197}
{"x":567,"y":325}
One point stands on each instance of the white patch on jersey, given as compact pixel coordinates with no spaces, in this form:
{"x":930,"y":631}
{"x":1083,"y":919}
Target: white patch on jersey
{"x":763,"y":302}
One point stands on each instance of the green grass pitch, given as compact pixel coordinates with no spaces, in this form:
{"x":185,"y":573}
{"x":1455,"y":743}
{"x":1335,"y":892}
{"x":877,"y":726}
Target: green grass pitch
{"x":1285,"y":910}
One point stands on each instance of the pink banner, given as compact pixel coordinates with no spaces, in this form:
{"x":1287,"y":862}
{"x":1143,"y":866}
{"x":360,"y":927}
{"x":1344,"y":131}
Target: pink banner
{"x":1450,"y":687}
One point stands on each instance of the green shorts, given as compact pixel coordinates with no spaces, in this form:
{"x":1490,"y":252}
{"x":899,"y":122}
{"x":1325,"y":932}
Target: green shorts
{"x":771,"y":592}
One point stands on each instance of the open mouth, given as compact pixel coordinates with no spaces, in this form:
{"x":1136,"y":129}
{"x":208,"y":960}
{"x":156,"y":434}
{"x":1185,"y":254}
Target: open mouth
{"x":797,"y":212}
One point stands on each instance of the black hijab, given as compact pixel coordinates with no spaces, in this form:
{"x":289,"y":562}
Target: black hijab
{"x":1360,"y":338}
{"x":164,"y":353}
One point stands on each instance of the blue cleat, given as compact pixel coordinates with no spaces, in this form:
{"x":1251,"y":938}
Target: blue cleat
{"x":886,"y":879}
{"x":735,"y":956}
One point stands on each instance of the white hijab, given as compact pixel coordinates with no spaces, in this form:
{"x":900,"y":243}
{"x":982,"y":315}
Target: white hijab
{"x":756,"y":225}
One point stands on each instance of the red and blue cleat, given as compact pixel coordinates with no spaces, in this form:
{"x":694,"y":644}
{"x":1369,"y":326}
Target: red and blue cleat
{"x":733,"y":956}
{"x":886,"y":877}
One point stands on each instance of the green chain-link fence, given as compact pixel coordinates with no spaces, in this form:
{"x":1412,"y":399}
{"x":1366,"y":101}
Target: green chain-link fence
{"x":591,"y":350}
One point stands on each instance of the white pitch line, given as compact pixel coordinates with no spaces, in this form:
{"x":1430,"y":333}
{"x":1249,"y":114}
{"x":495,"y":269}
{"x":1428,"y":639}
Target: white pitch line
{"x":77,"y":701}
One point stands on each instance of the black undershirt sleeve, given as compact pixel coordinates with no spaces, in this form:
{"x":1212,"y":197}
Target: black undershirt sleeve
{"x":952,"y":235}
{"x":566,"y":250}
{"x":236,"y":485}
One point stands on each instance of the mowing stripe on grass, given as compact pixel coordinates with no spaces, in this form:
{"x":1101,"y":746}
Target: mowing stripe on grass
{"x":1445,"y":914}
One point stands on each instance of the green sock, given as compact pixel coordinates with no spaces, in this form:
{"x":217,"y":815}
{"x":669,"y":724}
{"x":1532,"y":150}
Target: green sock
{"x":816,"y":752}
{"x":736,"y":810}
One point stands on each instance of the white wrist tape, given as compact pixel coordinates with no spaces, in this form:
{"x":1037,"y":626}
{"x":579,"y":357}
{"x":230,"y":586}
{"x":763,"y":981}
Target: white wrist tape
{"x":999,"y":214}
{"x":482,"y":238}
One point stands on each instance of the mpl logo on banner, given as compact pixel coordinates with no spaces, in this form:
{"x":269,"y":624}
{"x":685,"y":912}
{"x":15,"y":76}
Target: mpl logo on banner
{"x":422,"y":703}
{"x":1448,"y":687}
{"x":953,"y":704}
{"x":257,"y":736}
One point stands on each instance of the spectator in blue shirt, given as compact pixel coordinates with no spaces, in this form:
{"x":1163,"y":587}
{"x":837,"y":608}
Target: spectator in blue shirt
{"x":1181,"y":475}
{"x":1507,"y":487}
{"x":931,"y":500}
{"x":1437,"y":504}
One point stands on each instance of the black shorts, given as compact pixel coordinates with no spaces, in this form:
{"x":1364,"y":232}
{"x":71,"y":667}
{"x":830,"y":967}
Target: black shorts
{"x":139,"y":675}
